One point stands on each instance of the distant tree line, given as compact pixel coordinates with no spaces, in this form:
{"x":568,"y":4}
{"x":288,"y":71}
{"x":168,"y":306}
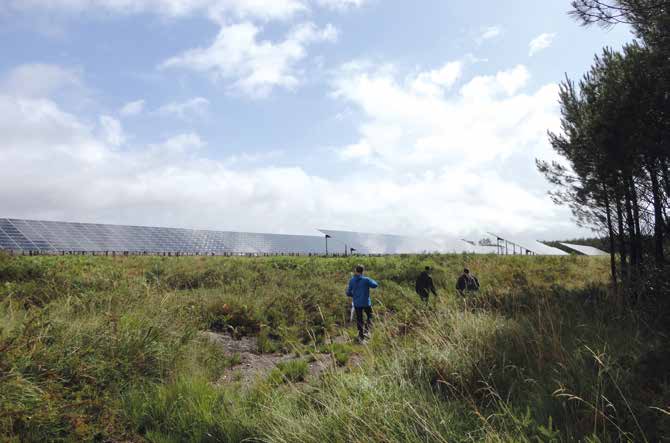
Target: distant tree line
{"x":615,"y":141}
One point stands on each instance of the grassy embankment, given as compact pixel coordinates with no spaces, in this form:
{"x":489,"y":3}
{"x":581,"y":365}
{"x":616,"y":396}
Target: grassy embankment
{"x":95,"y":348}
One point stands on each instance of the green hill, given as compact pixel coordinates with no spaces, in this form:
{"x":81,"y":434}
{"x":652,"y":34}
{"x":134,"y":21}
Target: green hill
{"x":226,"y":349}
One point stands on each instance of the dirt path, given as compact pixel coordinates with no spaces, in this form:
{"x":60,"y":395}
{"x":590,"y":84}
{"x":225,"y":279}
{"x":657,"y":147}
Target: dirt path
{"x":254,"y":364}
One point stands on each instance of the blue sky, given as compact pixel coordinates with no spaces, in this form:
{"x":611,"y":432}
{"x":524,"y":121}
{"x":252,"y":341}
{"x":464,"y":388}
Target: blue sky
{"x":285,"y":115}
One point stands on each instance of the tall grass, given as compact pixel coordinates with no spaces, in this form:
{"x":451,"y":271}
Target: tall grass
{"x":102,"y":348}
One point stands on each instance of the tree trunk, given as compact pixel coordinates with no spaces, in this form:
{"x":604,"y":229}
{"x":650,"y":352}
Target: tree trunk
{"x":659,"y":227}
{"x":636,"y":218}
{"x":665,"y":174}
{"x":623,"y":252}
{"x":632,"y":245}
{"x":630,"y":223}
{"x":666,"y":177}
{"x":610,"y":231}
{"x":632,"y":214}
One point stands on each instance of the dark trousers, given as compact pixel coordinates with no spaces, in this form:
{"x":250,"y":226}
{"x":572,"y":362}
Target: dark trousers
{"x":359,"y":319}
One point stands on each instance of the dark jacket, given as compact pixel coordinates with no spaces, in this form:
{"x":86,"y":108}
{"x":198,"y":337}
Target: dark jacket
{"x":424,"y":283}
{"x":467,"y":283}
{"x":359,"y":290}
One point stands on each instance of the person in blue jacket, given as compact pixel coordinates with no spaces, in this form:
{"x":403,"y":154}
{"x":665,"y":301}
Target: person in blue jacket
{"x":359,"y":291}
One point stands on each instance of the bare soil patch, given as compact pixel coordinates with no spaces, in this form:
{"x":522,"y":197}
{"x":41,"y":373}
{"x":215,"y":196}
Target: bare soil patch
{"x":253,"y":364}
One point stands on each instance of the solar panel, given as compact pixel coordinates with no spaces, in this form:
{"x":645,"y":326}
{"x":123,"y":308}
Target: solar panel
{"x":366,"y":243}
{"x":585,"y":250}
{"x":512,"y":244}
{"x":29,"y":232}
{"x":50,"y":237}
{"x":16,"y":236}
{"x":6,"y":242}
{"x":254,"y":243}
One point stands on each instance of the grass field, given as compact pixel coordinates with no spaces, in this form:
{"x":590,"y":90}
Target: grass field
{"x":120,"y":349}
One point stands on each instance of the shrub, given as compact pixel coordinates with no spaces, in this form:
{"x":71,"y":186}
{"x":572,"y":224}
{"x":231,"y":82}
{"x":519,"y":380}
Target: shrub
{"x":266,"y":343}
{"x":15,"y":269}
{"x":232,"y":316}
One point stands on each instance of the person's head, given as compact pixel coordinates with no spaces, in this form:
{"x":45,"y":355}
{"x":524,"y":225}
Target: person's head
{"x":360,"y":269}
{"x":428,"y":269}
{"x":466,"y":271}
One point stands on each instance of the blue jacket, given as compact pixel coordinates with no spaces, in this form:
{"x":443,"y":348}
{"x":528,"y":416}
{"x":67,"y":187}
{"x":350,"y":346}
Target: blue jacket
{"x":359,"y":290}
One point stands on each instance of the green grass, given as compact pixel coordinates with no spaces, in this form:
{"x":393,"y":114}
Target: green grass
{"x":340,"y":352}
{"x":104,"y":348}
{"x":292,"y":371}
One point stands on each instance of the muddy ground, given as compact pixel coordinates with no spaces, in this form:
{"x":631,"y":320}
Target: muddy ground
{"x":255,"y":365}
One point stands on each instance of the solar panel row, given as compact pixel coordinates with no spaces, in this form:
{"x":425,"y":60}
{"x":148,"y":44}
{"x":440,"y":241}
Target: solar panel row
{"x":585,"y":250}
{"x":50,"y":237}
{"x":364,"y":243}
{"x":54,"y":237}
{"x":511,"y":244}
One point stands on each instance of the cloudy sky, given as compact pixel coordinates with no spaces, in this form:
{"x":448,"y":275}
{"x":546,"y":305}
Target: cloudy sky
{"x":393,"y":116}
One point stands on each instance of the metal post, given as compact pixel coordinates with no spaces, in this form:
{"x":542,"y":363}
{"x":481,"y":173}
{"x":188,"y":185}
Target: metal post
{"x":327,"y":237}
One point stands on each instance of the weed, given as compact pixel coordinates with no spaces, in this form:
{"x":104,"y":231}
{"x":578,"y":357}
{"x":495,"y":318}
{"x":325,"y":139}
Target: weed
{"x":291,"y":371}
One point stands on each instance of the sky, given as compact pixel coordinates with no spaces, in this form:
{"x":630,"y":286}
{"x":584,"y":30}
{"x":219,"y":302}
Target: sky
{"x":282,"y":116}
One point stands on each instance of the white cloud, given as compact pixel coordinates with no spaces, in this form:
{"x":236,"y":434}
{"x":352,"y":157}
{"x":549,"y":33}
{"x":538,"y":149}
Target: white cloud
{"x":39,"y":79}
{"x":184,"y":143}
{"x":452,"y":145}
{"x":132,"y":108}
{"x":421,"y":164}
{"x":341,"y":4}
{"x":482,"y":121}
{"x":55,"y":166}
{"x":539,"y":43}
{"x":489,"y":33}
{"x":111,"y":131}
{"x":507,"y":82}
{"x":257,"y":66}
{"x":33,"y":127}
{"x":196,"y":106}
{"x":260,"y":9}
{"x":219,"y":10}
{"x":175,"y":148}
{"x":437,"y":81}
{"x":251,"y":66}
{"x":357,"y":150}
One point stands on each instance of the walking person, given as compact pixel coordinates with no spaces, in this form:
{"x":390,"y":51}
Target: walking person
{"x":424,"y":285}
{"x":467,"y":282}
{"x":359,"y":291}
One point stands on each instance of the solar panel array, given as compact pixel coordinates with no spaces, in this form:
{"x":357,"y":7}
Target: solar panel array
{"x":54,"y":237}
{"x":365,"y":243}
{"x":58,"y":237}
{"x":585,"y":250}
{"x":511,"y":244}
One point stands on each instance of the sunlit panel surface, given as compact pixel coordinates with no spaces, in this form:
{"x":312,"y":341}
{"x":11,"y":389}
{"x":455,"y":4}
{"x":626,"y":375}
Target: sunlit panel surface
{"x":57,"y":237}
{"x":585,"y":250}
{"x":52,"y":237}
{"x":366,"y":243}
{"x":515,"y":245}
